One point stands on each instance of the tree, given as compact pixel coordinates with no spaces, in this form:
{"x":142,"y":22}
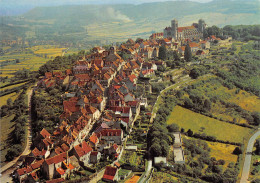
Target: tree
{"x":162,"y":53}
{"x":237,"y":151}
{"x":173,"y":128}
{"x":9,"y":102}
{"x":155,"y":150}
{"x":187,"y":53}
{"x":176,"y":56}
{"x":11,"y":153}
{"x":256,"y":116}
{"x":257,"y":145}
{"x":207,"y":105}
{"x":194,"y":73}
{"x":190,"y":133}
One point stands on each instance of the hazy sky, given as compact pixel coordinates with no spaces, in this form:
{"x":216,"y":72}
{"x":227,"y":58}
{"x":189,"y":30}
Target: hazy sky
{"x":61,"y":2}
{"x":17,"y":7}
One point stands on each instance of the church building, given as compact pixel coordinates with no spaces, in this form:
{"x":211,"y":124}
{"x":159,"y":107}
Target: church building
{"x":193,"y":32}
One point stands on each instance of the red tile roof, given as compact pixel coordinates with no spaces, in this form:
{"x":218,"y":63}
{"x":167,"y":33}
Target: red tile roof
{"x":193,"y":44}
{"x":82,"y":149}
{"x":93,"y":138}
{"x":91,"y":109}
{"x":60,"y":171}
{"x":110,"y":173}
{"x":117,"y":164}
{"x":36,"y":152}
{"x":70,"y":106}
{"x":45,"y":133}
{"x":94,"y":153}
{"x":55,"y":180}
{"x":59,"y":150}
{"x":83,"y":76}
{"x":120,"y":109}
{"x":24,"y":170}
{"x":57,"y":159}
{"x":37,"y":164}
{"x":65,"y":147}
{"x":110,"y":132}
{"x":132,"y":103}
{"x":180,"y":29}
{"x":34,"y":175}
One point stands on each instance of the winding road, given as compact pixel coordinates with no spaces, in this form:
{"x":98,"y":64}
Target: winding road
{"x":247,"y":162}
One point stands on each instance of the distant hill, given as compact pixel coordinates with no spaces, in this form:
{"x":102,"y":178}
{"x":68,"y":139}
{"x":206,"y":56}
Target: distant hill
{"x":86,"y":14}
{"x":118,"y":22}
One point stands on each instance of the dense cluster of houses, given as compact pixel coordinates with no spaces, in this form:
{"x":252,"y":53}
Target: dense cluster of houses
{"x":99,"y":109}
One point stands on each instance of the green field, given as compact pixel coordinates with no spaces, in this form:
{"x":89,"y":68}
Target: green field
{"x":188,"y":119}
{"x":223,"y":151}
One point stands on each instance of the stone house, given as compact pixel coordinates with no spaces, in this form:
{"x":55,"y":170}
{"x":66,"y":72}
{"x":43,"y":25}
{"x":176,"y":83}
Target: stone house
{"x":82,"y":152}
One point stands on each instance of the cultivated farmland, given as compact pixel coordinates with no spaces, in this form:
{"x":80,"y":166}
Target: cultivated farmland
{"x":188,"y":119}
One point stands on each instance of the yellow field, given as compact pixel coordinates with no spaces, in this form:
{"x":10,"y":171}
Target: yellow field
{"x":247,"y":101}
{"x":12,"y":86}
{"x":3,"y":99}
{"x":188,"y":119}
{"x":32,"y":63}
{"x":6,"y":128}
{"x":161,"y":177}
{"x":28,"y":60}
{"x":222,"y":151}
{"x":244,"y":99}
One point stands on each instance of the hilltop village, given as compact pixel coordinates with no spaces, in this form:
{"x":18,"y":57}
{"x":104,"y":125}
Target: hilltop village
{"x":101,"y":106}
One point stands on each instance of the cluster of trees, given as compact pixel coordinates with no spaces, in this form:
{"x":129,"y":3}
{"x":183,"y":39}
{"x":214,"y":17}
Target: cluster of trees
{"x":197,"y":102}
{"x":17,"y":137}
{"x":200,"y":98}
{"x":238,"y":32}
{"x":59,"y":63}
{"x":243,"y":73}
{"x":198,"y":71}
{"x":157,"y":87}
{"x":197,"y":155}
{"x":49,"y":100}
{"x":159,"y":137}
{"x":9,"y":62}
{"x":213,"y":30}
{"x":243,"y":32}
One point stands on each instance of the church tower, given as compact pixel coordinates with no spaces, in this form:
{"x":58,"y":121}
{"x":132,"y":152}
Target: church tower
{"x":202,"y":25}
{"x":174,"y":29}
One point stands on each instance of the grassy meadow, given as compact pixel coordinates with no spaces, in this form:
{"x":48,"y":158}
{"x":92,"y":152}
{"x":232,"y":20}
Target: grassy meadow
{"x":198,"y":123}
{"x":223,"y":151}
{"x":4,"y":99}
{"x":212,"y":88}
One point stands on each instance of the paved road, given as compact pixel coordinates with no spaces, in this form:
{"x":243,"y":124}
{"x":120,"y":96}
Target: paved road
{"x":147,"y":172}
{"x":247,"y":162}
{"x":7,"y":169}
